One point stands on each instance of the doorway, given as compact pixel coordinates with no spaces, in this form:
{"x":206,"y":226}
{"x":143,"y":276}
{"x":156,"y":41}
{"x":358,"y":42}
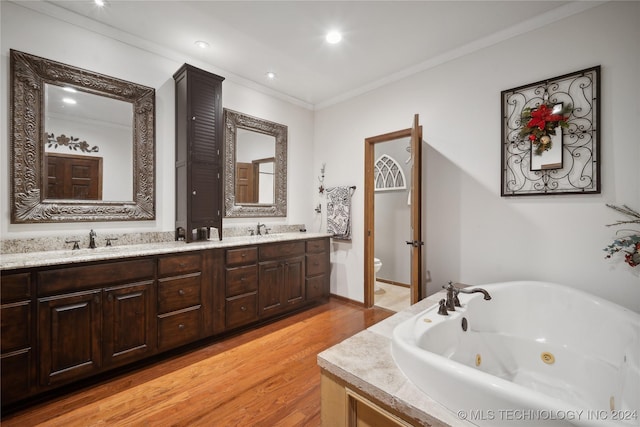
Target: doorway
{"x":411,"y":136}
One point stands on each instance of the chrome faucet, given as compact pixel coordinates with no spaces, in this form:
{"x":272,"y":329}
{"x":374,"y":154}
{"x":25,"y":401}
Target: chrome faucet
{"x":258,"y":232}
{"x":92,"y":239}
{"x":452,"y":300}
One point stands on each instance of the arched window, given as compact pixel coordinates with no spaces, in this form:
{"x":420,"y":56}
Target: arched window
{"x":388,"y":174}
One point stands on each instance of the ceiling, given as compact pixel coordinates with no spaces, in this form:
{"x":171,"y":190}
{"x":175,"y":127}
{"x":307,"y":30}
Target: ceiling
{"x":382,"y":40}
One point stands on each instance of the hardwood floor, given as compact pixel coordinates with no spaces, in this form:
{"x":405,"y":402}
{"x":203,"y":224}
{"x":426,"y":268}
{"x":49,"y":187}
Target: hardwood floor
{"x":263,"y":377}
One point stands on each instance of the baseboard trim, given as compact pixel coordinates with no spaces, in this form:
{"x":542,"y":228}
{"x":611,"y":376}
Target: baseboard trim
{"x":391,"y":282}
{"x":347,"y":300}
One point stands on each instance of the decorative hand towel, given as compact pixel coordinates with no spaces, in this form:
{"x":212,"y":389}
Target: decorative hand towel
{"x":339,"y":212}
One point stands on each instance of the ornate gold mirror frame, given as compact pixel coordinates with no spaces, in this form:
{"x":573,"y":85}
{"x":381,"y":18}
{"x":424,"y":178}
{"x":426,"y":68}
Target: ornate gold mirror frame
{"x":29,"y":74}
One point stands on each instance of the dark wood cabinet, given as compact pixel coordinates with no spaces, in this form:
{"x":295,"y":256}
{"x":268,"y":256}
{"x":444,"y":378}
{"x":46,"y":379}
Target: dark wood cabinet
{"x":281,"y":277}
{"x":129,"y":322}
{"x":317,"y":269}
{"x":64,"y":323}
{"x":180,"y":310}
{"x":198,"y":151}
{"x":70,"y":340}
{"x":17,"y":337}
{"x":94,"y":317}
{"x":241,"y":287}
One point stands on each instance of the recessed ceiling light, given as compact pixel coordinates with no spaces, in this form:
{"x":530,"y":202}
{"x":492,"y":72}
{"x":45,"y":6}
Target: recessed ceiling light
{"x":69,"y":101}
{"x":271,"y":75}
{"x":99,"y":3}
{"x":333,"y":37}
{"x":202,"y":44}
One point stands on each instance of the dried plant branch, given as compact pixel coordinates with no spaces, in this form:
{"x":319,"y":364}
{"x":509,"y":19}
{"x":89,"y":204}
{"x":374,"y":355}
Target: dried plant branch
{"x":625,"y":210}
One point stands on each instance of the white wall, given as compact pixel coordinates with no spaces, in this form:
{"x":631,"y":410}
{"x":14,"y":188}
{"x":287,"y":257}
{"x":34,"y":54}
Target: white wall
{"x":71,"y":44}
{"x":473,"y":235}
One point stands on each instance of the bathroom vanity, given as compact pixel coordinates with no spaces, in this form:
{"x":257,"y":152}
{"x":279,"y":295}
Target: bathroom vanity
{"x":69,"y":315}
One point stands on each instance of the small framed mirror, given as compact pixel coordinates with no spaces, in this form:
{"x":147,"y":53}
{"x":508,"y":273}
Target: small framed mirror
{"x":255,"y":166}
{"x":82,"y":144}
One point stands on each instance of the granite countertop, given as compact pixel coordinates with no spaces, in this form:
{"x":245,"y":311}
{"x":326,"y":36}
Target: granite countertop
{"x":365,"y":362}
{"x":48,"y":258}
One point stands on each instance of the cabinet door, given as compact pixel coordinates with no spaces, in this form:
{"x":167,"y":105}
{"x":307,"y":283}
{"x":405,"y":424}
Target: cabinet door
{"x":270,"y":288}
{"x":294,"y":284}
{"x":70,"y":336}
{"x":281,"y":285}
{"x":129,"y":323}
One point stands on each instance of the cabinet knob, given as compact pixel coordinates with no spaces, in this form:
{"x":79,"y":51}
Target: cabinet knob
{"x":181,"y":292}
{"x":243,"y":308}
{"x":194,"y":192}
{"x":242,"y":279}
{"x":181,"y":326}
{"x":243,"y":255}
{"x":193,"y":118}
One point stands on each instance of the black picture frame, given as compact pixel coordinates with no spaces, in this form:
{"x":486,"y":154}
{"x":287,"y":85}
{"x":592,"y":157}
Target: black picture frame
{"x":579,"y":168}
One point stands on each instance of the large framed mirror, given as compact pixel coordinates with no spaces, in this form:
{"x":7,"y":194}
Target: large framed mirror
{"x":255,"y":179}
{"x":82,"y":144}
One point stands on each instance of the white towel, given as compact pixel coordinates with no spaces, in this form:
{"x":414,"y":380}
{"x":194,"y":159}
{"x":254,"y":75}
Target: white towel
{"x":339,"y":212}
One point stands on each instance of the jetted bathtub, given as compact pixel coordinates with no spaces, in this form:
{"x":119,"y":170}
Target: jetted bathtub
{"x":535,"y":354}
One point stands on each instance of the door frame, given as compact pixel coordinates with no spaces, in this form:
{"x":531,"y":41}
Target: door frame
{"x":369,"y":210}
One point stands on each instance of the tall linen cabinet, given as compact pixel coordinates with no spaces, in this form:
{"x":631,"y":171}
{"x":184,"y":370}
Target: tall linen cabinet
{"x":199,"y":136}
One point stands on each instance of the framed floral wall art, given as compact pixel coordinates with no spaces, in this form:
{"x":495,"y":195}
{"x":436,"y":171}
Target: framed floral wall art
{"x":551,"y":136}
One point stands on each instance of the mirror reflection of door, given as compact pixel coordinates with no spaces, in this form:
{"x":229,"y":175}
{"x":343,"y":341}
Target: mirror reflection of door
{"x":78,"y":122}
{"x":73,"y":177}
{"x":255,"y":167}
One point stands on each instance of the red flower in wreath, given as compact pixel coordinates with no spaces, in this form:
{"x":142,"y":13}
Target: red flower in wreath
{"x":541,"y":123}
{"x":542,"y":115}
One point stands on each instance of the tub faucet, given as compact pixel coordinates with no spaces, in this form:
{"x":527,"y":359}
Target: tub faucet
{"x":92,"y":239}
{"x":452,"y":300}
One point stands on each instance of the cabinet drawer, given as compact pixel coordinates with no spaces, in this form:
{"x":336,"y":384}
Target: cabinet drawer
{"x":68,"y":279}
{"x":241,"y":310}
{"x":15,"y":287}
{"x":179,"y":328}
{"x":17,"y":380}
{"x":316,"y":264}
{"x":316,"y":287}
{"x":178,"y":293}
{"x":318,"y":246}
{"x":15,"y":322}
{"x":241,"y":280}
{"x":179,"y":264}
{"x":281,"y":250}
{"x":242,"y":256}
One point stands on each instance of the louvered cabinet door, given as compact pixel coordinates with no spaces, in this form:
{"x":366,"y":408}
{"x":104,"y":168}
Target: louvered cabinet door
{"x":198,"y":150}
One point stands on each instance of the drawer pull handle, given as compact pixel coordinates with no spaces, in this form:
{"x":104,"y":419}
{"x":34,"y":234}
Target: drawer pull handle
{"x":181,"y":326}
{"x":243,"y":308}
{"x":181,"y":292}
{"x":182,"y":264}
{"x":243,"y":255}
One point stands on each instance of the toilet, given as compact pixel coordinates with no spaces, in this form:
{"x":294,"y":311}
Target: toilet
{"x":377,"y":265}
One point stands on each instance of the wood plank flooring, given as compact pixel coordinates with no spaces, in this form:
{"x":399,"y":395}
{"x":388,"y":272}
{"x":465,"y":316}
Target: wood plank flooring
{"x":264,"y":377}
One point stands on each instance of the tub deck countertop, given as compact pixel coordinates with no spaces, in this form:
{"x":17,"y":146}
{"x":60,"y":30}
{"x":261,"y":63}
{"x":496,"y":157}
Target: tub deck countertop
{"x":365,"y":362}
{"x":48,"y":258}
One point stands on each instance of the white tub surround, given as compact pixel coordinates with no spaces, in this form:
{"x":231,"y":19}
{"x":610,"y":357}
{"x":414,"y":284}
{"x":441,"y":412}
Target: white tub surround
{"x":363,"y":364}
{"x":535,"y":353}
